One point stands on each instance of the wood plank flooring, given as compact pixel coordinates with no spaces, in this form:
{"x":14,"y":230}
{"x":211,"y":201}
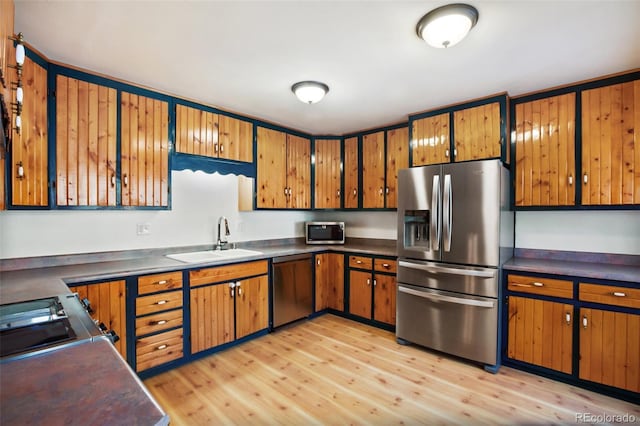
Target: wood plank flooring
{"x":331,"y":370}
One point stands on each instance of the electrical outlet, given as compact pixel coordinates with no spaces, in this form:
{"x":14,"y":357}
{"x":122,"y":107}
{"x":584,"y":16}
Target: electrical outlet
{"x":143,"y":229}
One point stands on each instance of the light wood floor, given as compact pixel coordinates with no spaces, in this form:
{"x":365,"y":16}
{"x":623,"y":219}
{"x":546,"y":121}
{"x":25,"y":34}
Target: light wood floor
{"x":334,"y":371}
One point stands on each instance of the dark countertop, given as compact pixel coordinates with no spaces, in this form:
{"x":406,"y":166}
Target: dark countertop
{"x":90,"y":384}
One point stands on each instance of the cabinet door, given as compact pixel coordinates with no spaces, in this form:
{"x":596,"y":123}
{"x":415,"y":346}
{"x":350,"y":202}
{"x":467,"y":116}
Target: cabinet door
{"x":196,"y":131}
{"x":397,"y":158}
{"x":540,"y":333}
{"x":86,"y":131}
{"x":236,"y":139}
{"x":373,"y":162}
{"x":610,"y":348}
{"x":476,"y":132}
{"x":212,"y":316}
{"x":144,"y":151}
{"x":430,"y":140}
{"x":108,"y":302}
{"x":330,"y":281}
{"x":327,"y":174}
{"x":610,"y":150}
{"x":271,"y":169}
{"x":351,"y":179}
{"x":360,"y":293}
{"x":29,"y":155}
{"x":545,"y":152}
{"x":298,"y":172}
{"x":384,"y":298}
{"x":252,"y":305}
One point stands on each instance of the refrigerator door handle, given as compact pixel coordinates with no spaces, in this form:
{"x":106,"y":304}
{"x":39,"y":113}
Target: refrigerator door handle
{"x":449,"y":299}
{"x":435,"y":213}
{"x":447,"y":208}
{"x":489,"y":273}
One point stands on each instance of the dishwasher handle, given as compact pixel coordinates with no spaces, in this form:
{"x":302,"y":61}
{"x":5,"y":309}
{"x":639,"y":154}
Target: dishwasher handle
{"x":448,"y":299}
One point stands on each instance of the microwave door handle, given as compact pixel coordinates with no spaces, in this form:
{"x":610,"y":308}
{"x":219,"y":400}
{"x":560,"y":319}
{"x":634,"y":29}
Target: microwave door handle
{"x":435,"y":213}
{"x":448,"y":299}
{"x":447,"y":209}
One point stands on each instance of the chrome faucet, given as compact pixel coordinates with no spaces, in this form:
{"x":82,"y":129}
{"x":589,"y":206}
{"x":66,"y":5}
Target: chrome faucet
{"x":221,"y":241}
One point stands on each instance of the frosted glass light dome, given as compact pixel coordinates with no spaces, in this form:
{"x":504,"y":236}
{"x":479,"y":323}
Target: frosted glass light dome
{"x":446,"y":26}
{"x":310,"y":92}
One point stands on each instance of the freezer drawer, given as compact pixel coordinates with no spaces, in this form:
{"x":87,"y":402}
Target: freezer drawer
{"x":457,"y":324}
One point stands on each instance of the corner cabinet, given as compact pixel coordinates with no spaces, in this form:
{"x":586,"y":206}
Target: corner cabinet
{"x":474,"y":130}
{"x":283,"y":170}
{"x":582,"y":331}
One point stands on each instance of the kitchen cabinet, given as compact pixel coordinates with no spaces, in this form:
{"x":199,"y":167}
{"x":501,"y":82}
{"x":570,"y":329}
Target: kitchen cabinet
{"x":545,"y":149}
{"x":610,"y":340}
{"x":144,"y":151}
{"x":227,"y":303}
{"x":430,"y":140}
{"x":351,"y":174}
{"x":383,"y":154}
{"x":610,"y":131}
{"x":86,"y":152}
{"x":108,"y":306}
{"x":7,"y":75}
{"x":28,"y":166}
{"x":206,"y":133}
{"x":329,"y":280}
{"x":159,"y":319}
{"x":283,"y":170}
{"x":477,"y":132}
{"x":327,"y":174}
{"x":372,"y":288}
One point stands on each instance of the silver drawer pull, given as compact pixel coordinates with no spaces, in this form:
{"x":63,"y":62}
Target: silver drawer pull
{"x":161,"y":322}
{"x":619,"y":294}
{"x":359,"y":262}
{"x":386,"y":265}
{"x":161,"y":302}
{"x":161,"y":347}
{"x":537,"y":284}
{"x":162,"y":282}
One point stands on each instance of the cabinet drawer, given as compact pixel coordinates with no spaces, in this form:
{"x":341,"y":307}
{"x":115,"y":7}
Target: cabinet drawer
{"x":227,"y":273}
{"x":158,"y":349}
{"x":158,"y":302}
{"x":159,"y":282}
{"x":360,"y":262}
{"x":385,"y":265}
{"x":158,"y":322}
{"x":610,"y":295}
{"x":542,"y":286}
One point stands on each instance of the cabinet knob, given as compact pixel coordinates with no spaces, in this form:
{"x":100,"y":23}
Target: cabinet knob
{"x":161,"y":347}
{"x":585,"y":179}
{"x":381,"y":191}
{"x":375,"y":283}
{"x":221,"y":148}
{"x":215,"y":148}
{"x":446,"y":153}
{"x":318,"y":262}
{"x":19,"y":170}
{"x":113,"y":181}
{"x":359,"y":262}
{"x":355,"y":192}
{"x":570,"y":180}
{"x":619,"y":294}
{"x":584,"y":322}
{"x":386,"y":265}
{"x":568,"y":318}
{"x":161,"y":282}
{"x":387,"y":190}
{"x":537,"y":284}
{"x":161,"y":322}
{"x":455,"y":152}
{"x":368,"y":281}
{"x":338,"y":193}
{"x":125,"y":179}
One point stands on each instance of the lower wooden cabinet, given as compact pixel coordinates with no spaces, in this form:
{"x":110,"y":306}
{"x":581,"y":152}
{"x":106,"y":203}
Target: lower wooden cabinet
{"x":540,"y":333}
{"x":108,"y":305}
{"x":372,"y":288}
{"x":222,"y":312}
{"x":329,"y":281}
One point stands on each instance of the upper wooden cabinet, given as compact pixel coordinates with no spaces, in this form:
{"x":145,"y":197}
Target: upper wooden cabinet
{"x":144,"y":133}
{"x":545,"y":151}
{"x":86,"y":154}
{"x":283,"y":170}
{"x":327,"y":174}
{"x":383,"y":154}
{"x":470,"y":131}
{"x":202,"y":132}
{"x":610,"y":147}
{"x":29,"y":154}
{"x":430,"y":140}
{"x":351,"y":175}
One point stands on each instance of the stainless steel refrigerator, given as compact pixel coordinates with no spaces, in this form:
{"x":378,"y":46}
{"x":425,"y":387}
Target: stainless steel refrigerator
{"x":455,"y":230}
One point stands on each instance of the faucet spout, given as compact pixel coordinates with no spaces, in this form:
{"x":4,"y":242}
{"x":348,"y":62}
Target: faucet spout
{"x":222,"y":241}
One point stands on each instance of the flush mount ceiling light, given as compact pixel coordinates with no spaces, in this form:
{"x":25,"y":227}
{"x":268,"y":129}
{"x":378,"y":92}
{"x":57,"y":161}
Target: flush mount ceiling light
{"x":310,"y":92}
{"x":446,"y":26}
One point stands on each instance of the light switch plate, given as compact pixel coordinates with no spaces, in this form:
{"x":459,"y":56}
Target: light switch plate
{"x":143,"y":229}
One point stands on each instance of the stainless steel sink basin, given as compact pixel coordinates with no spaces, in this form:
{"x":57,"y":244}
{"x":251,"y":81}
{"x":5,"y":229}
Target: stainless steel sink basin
{"x":211,"y":255}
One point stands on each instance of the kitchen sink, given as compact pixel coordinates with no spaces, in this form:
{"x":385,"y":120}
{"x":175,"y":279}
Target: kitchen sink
{"x":211,"y":255}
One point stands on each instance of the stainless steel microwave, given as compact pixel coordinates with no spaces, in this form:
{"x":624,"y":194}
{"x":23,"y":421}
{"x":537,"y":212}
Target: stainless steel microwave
{"x":324,"y":232}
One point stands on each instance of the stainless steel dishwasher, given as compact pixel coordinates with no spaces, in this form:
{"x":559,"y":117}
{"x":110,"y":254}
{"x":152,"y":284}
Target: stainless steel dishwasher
{"x":292,"y":288}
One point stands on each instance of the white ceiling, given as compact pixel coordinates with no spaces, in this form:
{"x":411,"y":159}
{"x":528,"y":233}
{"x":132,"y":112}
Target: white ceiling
{"x":245,"y":55}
